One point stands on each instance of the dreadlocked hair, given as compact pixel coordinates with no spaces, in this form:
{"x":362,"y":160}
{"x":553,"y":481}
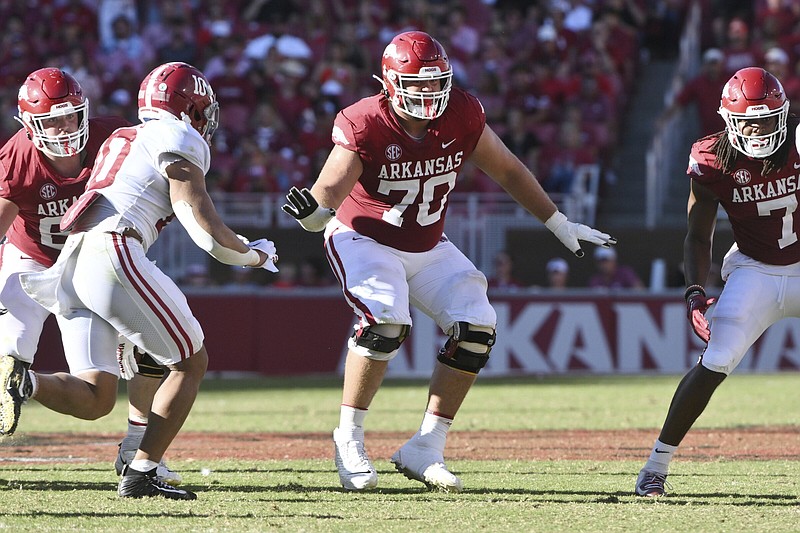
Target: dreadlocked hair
{"x":727,"y":155}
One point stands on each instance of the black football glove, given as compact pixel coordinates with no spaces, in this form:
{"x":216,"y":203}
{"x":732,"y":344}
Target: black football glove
{"x":696,"y":306}
{"x":305,"y":209}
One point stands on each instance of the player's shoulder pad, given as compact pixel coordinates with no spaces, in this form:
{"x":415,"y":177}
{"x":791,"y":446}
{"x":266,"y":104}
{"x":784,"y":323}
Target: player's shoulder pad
{"x":178,"y":137}
{"x":703,"y":164}
{"x":359,"y":116}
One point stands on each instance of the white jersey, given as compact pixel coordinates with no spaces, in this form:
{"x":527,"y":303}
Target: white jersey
{"x":130,"y":177}
{"x":103,"y":272}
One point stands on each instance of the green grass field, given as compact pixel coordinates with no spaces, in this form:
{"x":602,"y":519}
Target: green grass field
{"x":519,"y":495}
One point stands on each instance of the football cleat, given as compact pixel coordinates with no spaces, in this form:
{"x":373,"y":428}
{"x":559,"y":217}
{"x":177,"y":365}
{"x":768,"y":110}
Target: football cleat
{"x":422,"y":463}
{"x":15,"y":389}
{"x":651,"y":484}
{"x":355,"y":469}
{"x":163,"y":472}
{"x":135,"y":484}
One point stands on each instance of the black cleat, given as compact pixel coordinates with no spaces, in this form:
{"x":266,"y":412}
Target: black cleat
{"x":15,"y":389}
{"x":652,"y":484}
{"x":135,"y":484}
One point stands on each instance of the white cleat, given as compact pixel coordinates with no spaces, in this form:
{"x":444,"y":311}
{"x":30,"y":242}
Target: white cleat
{"x":163,"y":472}
{"x":355,"y":469}
{"x":421,"y":463}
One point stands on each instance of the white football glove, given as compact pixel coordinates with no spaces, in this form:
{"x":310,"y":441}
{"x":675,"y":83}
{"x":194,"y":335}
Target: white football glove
{"x":570,"y":233}
{"x":126,"y":358}
{"x":268,"y":247}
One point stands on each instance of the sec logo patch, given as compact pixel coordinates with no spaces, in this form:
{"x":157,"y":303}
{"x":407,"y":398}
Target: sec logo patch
{"x":393,"y":152}
{"x":742,"y":176}
{"x":48,"y":191}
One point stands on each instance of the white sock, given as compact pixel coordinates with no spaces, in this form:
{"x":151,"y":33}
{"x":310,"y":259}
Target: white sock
{"x":351,"y":417}
{"x":660,"y":457}
{"x":137,"y":425}
{"x":34,"y":383}
{"x":143,"y":465}
{"x":434,"y":430}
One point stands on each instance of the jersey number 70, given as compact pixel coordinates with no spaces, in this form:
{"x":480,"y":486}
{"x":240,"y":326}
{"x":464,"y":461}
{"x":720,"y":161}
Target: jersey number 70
{"x":394,"y":216}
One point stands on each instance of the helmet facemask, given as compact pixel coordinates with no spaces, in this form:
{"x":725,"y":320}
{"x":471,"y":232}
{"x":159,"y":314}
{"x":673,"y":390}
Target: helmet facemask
{"x":762,"y":145}
{"x":63,"y":145}
{"x":426,"y":105}
{"x":211,"y":112}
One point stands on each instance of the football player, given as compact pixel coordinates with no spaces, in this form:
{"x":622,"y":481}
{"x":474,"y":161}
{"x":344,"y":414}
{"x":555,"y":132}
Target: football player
{"x":750,"y":169}
{"x":43,"y":168}
{"x":103,"y":284}
{"x":381,"y":199}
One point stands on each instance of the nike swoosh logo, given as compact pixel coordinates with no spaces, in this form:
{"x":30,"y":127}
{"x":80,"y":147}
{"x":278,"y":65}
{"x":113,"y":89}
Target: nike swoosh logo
{"x":661,"y":451}
{"x":3,"y":311}
{"x":796,"y":165}
{"x":445,"y":145}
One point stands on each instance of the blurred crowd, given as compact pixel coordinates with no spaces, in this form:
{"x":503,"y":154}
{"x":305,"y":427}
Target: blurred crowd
{"x":554,"y":76}
{"x":763,"y":33}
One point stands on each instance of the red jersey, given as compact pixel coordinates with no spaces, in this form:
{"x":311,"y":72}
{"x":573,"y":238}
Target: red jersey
{"x":763,"y":210}
{"x":42,"y":195}
{"x":400,"y":200}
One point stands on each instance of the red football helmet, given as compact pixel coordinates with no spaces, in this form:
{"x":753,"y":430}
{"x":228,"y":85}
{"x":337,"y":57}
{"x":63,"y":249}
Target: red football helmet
{"x":178,"y":90}
{"x":754,"y":93}
{"x":49,"y":93}
{"x":415,"y":58}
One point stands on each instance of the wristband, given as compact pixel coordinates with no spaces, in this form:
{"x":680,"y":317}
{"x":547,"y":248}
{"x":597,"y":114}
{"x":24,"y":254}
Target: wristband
{"x":692,"y":289}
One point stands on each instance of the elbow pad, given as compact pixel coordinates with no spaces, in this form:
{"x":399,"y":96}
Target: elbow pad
{"x":206,"y":242}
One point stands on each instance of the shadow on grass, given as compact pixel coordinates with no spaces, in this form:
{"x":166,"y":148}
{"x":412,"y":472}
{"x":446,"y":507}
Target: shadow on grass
{"x":531,"y":495}
{"x":56,"y":486}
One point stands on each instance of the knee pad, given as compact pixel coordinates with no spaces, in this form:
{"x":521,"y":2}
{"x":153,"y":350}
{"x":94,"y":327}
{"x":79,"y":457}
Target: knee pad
{"x":379,"y":342}
{"x":148,"y":367}
{"x":468,"y":347}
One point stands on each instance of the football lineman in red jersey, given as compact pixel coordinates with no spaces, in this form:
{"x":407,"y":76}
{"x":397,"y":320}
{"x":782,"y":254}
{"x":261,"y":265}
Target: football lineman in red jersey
{"x":396,"y":158}
{"x":751,"y":170}
{"x":44,"y":167}
{"x":103,"y":284}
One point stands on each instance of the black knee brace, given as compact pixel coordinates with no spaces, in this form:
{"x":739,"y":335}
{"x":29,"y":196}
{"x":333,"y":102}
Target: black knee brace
{"x":462,"y":359}
{"x":148,"y":367}
{"x":367,"y":338}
